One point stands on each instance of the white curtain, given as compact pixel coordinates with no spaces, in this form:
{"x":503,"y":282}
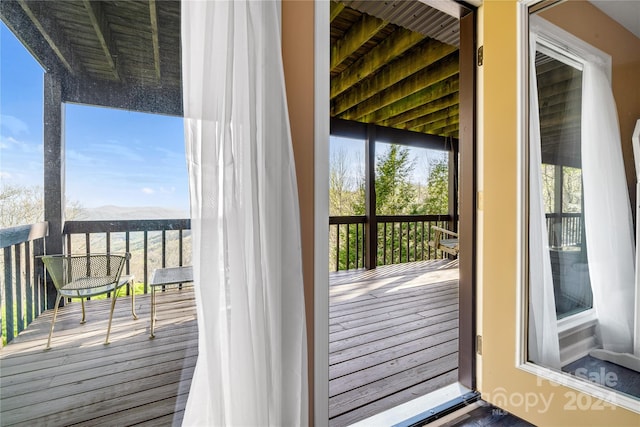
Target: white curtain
{"x":252,"y":362}
{"x":544,"y":346}
{"x":607,"y":212}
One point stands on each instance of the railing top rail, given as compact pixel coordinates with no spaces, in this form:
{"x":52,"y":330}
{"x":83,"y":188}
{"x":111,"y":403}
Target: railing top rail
{"x":563,"y":215}
{"x":413,"y":218}
{"x":347,"y":219}
{"x":23,"y":233}
{"x":74,"y":227}
{"x":361,"y":219}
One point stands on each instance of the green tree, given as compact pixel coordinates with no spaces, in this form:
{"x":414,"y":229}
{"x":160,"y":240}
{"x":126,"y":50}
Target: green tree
{"x":345,"y":198}
{"x":437,"y":199}
{"x":395,"y":194}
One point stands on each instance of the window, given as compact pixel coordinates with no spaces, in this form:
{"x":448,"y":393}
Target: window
{"x":580,"y":230}
{"x":559,"y":92}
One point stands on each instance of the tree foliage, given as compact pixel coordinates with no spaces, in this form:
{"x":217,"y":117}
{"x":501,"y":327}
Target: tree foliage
{"x":22,"y":205}
{"x":571,"y":188}
{"x":341,"y":185}
{"x":437,"y":199}
{"x":395,"y":194}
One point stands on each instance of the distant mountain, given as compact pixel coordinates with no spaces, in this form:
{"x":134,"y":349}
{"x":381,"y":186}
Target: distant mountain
{"x":126,"y":213}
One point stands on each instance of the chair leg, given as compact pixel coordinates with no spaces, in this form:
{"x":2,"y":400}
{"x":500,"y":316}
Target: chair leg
{"x":133,"y":300}
{"x":83,"y":315}
{"x":113,"y":304}
{"x":53,"y":321}
{"x":153,"y":312}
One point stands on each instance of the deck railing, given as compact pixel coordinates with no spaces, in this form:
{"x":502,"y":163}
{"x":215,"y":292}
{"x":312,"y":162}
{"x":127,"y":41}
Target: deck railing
{"x":152,"y":243}
{"x":565,"y":229}
{"x":401,"y":238}
{"x":23,"y":290}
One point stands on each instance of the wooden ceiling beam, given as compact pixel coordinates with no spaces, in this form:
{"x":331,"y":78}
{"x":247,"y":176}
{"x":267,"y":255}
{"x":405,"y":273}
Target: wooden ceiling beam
{"x":400,"y":41}
{"x":52,"y":33}
{"x":447,"y":130}
{"x":439,"y":125}
{"x":416,"y":67}
{"x":423,"y":96}
{"x":435,"y":73}
{"x":15,"y":18}
{"x":441,"y":114}
{"x":360,"y":33}
{"x":422,"y":110}
{"x":559,"y":75}
{"x":568,"y":115}
{"x":103,"y":33}
{"x":153,"y":17}
{"x":561,"y":98}
{"x":548,"y":66}
{"x":561,"y":120}
{"x":123,"y":95}
{"x":561,"y":88}
{"x":336,"y":8}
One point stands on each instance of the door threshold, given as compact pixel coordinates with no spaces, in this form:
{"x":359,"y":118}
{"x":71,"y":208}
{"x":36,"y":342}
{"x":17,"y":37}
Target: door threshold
{"x":424,"y":408}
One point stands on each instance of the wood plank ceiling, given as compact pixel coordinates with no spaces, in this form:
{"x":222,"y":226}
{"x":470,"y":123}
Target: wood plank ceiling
{"x":127,"y":47}
{"x":386,"y":74}
{"x":388,"y":69}
{"x":560,"y":108}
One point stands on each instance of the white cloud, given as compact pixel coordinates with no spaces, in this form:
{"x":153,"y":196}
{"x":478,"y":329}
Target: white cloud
{"x":13,"y":124}
{"x":119,"y":151}
{"x":79,"y":157}
{"x":9,"y":143}
{"x":167,"y":190}
{"x":147,"y":190}
{"x":5,"y":175}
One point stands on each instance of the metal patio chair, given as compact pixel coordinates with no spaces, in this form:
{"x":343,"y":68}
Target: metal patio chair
{"x":83,"y":276}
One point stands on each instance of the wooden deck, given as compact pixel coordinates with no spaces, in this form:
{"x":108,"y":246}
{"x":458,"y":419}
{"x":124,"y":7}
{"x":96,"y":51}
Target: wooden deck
{"x":393,"y":336}
{"x":132,"y":381}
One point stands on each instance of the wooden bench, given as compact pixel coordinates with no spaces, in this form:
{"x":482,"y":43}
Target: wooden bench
{"x":448,"y":245}
{"x":167,"y":277}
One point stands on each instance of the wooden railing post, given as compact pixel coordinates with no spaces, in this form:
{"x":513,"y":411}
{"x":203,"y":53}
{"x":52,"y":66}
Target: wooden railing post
{"x":371,"y":224}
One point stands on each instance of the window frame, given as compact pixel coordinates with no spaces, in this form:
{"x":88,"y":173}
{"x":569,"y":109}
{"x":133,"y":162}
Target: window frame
{"x":576,"y":49}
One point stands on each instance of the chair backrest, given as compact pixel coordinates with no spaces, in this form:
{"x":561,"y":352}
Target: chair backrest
{"x":105,"y":268}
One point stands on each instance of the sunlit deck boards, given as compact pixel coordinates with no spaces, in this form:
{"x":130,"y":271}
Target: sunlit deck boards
{"x":133,"y":380}
{"x":393,"y":336}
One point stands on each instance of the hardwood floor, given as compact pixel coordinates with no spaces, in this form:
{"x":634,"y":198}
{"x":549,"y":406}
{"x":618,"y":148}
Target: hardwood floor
{"x":133,"y":380}
{"x":393,"y":336}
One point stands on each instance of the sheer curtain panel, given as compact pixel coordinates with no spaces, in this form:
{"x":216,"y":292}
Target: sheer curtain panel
{"x":252,"y":362}
{"x":607,"y":213}
{"x":544,"y":346}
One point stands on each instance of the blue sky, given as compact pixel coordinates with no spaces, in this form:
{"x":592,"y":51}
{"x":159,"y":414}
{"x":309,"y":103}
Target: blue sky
{"x":113,"y":157}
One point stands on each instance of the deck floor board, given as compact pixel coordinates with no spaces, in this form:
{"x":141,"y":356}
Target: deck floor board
{"x":393,"y":337}
{"x":80,"y":380}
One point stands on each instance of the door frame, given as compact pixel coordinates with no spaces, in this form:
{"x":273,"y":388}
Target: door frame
{"x":467,"y":205}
